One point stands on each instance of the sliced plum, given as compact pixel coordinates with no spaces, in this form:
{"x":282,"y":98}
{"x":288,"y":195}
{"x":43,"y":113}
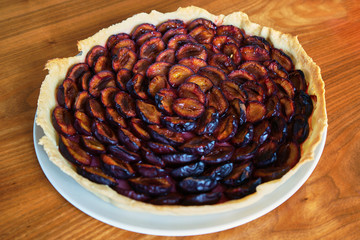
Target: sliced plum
{"x":220,"y":172}
{"x":125,"y":43}
{"x":191,"y":90}
{"x":141,"y":29}
{"x":150,"y":171}
{"x":138,"y":86}
{"x":240,"y":110}
{"x":151,"y":186}
{"x":148,"y":112}
{"x":285,"y":86}
{"x":156,"y":84}
{"x":232,"y":91}
{"x":262,"y":131}
{"x":141,"y":66}
{"x":125,"y":104}
{"x":63,"y":121}
{"x":122,"y":77}
{"x":260,"y":41}
{"x":165,"y":135}
{"x":197,"y":184}
{"x":245,"y":152}
{"x":76,"y":71}
{"x":303,"y":103}
{"x":287,"y":107}
{"x":243,"y":190}
{"x":278,"y":129}
{"x":219,"y":154}
{"x":95,"y":109}
{"x":217,"y":100}
{"x":73,"y":152}
{"x":104,"y":133}
{"x":170,"y":24}
{"x":254,"y":68}
{"x":92,"y":145}
{"x":244,"y":135}
{"x":151,"y":158}
{"x":172,"y":32}
{"x":239,"y":174}
{"x":241,"y":76}
{"x":178,"y":158}
{"x":223,"y":62}
{"x":299,"y":128}
{"x":284,"y":60}
{"x":146,"y":36}
{"x":161,"y":148}
{"x":178,"y":124}
{"x":158,"y":68}
{"x":100,"y":81}
{"x":114,"y":118}
{"x":168,"y":199}
{"x":266,"y":154}
{"x":115,"y":38}
{"x":273,"y":106}
{"x":288,"y":155}
{"x":254,"y":91}
{"x":202,"y":198}
{"x":84,"y":80}
{"x":191,"y":50}
{"x":199,"y":145}
{"x":270,"y":173}
{"x":168,"y":55}
{"x":125,"y":58}
{"x":82,"y":123}
{"x":255,"y":111}
{"x":178,"y":74}
{"x":178,"y":40}
{"x":254,"y":53}
{"x":276,"y":69}
{"x":116,"y":167}
{"x":102,"y":63}
{"x":127,"y":138}
{"x":220,"y":40}
{"x":202,"y":34}
{"x":188,"y":108}
{"x":232,"y":51}
{"x":138,"y":128}
{"x":193,"y":63}
{"x":124,"y":154}
{"x":297,"y":78}
{"x":95,"y":174}
{"x":201,"y":21}
{"x":164,"y":99}
{"x":216,"y":75}
{"x":94,"y":53}
{"x":231,"y":31}
{"x":269,"y":86}
{"x":227,"y":128}
{"x":151,"y":48}
{"x":190,"y":170}
{"x":204,"y":83}
{"x":107,"y":96}
{"x":66,"y":93}
{"x":208,"y":122}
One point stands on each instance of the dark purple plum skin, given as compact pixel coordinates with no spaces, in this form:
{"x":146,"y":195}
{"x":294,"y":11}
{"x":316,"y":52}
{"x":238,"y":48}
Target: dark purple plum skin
{"x":194,"y":169}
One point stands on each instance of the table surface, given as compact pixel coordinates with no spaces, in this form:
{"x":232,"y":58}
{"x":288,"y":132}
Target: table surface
{"x":327,"y":206}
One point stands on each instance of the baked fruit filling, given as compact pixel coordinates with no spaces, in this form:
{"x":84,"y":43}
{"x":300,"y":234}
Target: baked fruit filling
{"x":183,"y":113}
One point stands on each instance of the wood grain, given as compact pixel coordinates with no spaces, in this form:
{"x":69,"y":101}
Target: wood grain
{"x":32,"y":32}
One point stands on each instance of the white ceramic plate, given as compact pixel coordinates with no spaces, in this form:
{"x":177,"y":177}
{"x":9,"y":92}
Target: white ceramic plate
{"x":167,"y":225}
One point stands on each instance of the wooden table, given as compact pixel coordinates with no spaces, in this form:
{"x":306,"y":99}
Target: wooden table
{"x":31,"y":32}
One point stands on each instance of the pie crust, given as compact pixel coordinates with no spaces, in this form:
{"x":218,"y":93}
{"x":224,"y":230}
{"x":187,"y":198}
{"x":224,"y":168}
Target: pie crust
{"x":289,"y":44}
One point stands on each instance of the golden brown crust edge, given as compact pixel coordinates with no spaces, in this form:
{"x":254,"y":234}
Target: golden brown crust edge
{"x":58,"y":67}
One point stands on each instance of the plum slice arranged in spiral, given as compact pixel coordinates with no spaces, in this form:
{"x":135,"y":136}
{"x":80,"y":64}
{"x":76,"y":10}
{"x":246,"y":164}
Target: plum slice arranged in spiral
{"x":183,"y":113}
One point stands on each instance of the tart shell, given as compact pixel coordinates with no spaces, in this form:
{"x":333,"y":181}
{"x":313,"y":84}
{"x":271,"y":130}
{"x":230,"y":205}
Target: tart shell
{"x":57,"y":69}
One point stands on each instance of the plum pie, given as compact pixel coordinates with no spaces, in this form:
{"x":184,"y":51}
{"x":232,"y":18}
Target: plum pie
{"x":183,"y":112}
